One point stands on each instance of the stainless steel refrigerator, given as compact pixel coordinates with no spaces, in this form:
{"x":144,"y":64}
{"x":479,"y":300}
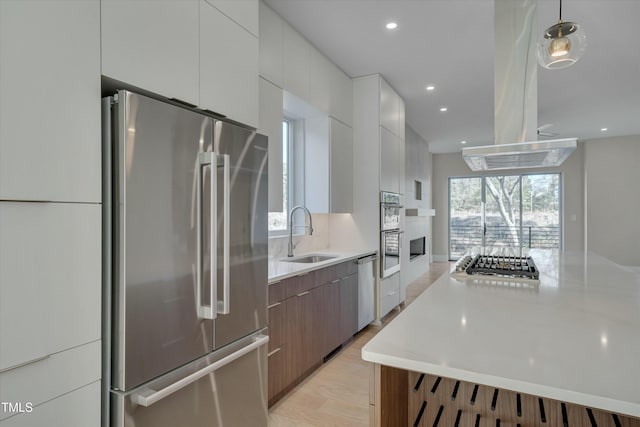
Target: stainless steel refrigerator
{"x":185,"y":207}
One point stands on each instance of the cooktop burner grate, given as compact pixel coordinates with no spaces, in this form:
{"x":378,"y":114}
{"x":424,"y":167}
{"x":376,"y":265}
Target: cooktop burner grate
{"x":507,"y":266}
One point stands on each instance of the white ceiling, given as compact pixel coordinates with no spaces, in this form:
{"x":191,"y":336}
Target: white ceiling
{"x":449,"y":43}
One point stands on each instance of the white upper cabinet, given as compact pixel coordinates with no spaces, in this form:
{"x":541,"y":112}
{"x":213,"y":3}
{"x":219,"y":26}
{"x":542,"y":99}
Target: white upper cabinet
{"x":271,"y":39}
{"x":320,"y":70}
{"x":228,"y":71}
{"x":341,"y":173}
{"x":271,"y":125}
{"x":328,"y":166}
{"x":50,"y":101}
{"x":50,"y":274}
{"x":295,"y":63}
{"x":341,"y":102}
{"x":243,"y":12}
{"x":390,"y":172}
{"x":391,"y":109}
{"x":153,"y":45}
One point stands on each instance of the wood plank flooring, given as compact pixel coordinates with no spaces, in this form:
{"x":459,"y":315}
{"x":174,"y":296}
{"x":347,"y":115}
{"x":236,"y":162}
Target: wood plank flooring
{"x":337,"y":394}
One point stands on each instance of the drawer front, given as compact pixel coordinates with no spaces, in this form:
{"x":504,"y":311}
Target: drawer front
{"x":80,"y":408}
{"x":347,"y":268}
{"x":53,"y":376}
{"x":389,"y":294}
{"x":286,"y":288}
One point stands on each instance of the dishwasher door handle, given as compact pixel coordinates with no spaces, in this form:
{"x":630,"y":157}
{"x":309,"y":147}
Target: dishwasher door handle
{"x":367,"y":259}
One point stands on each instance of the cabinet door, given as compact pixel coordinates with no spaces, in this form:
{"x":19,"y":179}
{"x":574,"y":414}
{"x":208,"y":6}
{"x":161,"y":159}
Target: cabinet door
{"x":389,"y":164}
{"x":50,"y":101}
{"x":329,"y":316}
{"x":295,"y":57}
{"x":244,"y":12}
{"x":153,"y":45}
{"x":348,"y":307}
{"x":341,"y":174}
{"x":271,"y":29}
{"x":320,"y":70}
{"x":228,"y":67}
{"x":388,"y":107}
{"x":50,"y":272}
{"x":341,"y":102}
{"x":271,"y":125}
{"x":276,"y":357}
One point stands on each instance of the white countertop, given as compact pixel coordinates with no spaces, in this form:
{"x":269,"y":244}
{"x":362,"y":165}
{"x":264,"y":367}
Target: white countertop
{"x":575,"y":338}
{"x":279,"y":270}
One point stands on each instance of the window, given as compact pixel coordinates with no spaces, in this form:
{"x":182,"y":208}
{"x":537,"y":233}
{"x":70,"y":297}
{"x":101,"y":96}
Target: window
{"x":511,"y":211}
{"x":278,"y":220}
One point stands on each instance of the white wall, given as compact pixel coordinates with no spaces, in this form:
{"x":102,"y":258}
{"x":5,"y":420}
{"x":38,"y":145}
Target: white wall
{"x":612,"y":193}
{"x":452,"y":165}
{"x":417,"y":167}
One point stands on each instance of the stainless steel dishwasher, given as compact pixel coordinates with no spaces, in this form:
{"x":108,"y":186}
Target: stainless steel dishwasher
{"x":366,"y":290}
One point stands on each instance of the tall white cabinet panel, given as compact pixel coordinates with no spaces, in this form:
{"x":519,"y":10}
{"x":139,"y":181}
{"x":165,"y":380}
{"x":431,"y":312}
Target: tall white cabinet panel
{"x":296,"y":63}
{"x":50,"y":267}
{"x":271,"y":39}
{"x":341,"y":176}
{"x":271,"y":125}
{"x":388,"y":107}
{"x":50,"y":100}
{"x":243,"y":12}
{"x":79,"y":408}
{"x":152,"y":45}
{"x":316,"y":164}
{"x":228,"y":71}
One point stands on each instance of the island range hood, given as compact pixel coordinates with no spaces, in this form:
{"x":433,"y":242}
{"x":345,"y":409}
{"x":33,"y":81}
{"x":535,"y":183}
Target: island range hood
{"x":516,"y":97}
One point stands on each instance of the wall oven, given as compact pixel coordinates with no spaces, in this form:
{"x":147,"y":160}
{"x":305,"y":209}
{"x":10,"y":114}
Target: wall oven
{"x":390,"y":233}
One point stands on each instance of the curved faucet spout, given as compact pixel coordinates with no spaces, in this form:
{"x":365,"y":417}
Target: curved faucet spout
{"x":291,"y":225}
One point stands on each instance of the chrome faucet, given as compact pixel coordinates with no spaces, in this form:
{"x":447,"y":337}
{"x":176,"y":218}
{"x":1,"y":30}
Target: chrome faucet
{"x":291,"y":245}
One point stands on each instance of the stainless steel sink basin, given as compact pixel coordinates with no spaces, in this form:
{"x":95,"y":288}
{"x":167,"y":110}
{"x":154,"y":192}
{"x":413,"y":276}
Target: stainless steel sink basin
{"x":309,"y":259}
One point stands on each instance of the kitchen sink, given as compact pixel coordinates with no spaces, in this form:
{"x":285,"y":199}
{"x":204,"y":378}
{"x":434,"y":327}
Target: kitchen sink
{"x":310,"y":259}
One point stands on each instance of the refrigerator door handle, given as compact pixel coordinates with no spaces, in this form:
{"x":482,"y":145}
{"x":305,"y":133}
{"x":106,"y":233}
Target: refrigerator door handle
{"x":206,"y":311}
{"x":148,"y":397}
{"x":223,"y":305}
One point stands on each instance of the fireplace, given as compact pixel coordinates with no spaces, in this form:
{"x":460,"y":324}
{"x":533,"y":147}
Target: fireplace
{"x":416,"y":247}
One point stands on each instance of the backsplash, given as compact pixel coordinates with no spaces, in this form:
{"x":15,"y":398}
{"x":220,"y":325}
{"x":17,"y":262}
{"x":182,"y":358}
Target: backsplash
{"x":304,"y":243}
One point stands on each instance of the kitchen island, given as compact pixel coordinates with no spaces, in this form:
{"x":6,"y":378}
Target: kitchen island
{"x":564,"y":351}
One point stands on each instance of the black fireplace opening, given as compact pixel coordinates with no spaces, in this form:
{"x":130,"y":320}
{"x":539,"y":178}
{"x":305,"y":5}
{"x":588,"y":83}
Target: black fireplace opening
{"x":416,"y":247}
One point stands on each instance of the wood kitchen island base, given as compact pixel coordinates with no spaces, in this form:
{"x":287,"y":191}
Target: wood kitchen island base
{"x":403,"y":398}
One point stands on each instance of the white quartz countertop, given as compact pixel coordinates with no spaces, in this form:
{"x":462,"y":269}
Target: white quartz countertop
{"x":279,"y":269}
{"x":574,"y":338}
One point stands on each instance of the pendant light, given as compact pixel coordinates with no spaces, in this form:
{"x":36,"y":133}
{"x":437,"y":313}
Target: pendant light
{"x":561,"y":44}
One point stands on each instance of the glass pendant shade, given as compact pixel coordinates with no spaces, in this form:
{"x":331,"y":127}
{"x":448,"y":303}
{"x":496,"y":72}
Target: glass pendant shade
{"x":561,"y":45}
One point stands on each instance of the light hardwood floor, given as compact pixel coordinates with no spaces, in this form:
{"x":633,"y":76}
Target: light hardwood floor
{"x":337,"y":394}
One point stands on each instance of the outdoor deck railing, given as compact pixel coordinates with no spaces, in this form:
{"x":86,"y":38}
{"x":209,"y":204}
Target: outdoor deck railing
{"x":463,"y":237}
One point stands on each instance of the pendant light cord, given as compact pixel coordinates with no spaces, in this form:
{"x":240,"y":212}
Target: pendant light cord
{"x":560,"y":10}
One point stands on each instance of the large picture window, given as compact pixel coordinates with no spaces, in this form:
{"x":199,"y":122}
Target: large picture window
{"x":508,"y":211}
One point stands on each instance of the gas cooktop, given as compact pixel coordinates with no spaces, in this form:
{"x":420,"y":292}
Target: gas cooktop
{"x":499,"y":266}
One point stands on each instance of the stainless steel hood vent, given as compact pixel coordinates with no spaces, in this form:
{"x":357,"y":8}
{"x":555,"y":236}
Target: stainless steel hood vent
{"x":515,"y":97}
{"x":520,"y":155}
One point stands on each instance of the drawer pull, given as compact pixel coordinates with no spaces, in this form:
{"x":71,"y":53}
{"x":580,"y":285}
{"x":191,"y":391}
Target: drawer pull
{"x":274,"y":305}
{"x":518,"y":405}
{"x":458,"y":415}
{"x":335,"y":281}
{"x":419,"y":383}
{"x":477,"y":424}
{"x":494,"y":400}
{"x":543,"y":417}
{"x":455,"y":390}
{"x":303,"y":293}
{"x":20,"y":365}
{"x":592,"y":420}
{"x":437,"y":420}
{"x":473,"y":395}
{"x":565,"y":421}
{"x":272,"y":352}
{"x":435,"y":385}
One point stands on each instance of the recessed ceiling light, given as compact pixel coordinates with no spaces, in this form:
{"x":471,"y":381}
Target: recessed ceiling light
{"x":604,"y":129}
{"x":392,"y":25}
{"x":431,"y":88}
{"x":463,"y":142}
{"x":443,"y":109}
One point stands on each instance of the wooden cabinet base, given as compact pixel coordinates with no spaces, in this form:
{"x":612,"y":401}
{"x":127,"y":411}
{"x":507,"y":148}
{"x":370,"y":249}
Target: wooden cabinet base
{"x":403,"y":398}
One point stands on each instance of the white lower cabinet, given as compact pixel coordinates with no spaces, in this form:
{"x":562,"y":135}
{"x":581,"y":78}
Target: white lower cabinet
{"x":389,"y":294}
{"x":50,"y":293}
{"x":79,"y":408}
{"x":51,"y":377}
